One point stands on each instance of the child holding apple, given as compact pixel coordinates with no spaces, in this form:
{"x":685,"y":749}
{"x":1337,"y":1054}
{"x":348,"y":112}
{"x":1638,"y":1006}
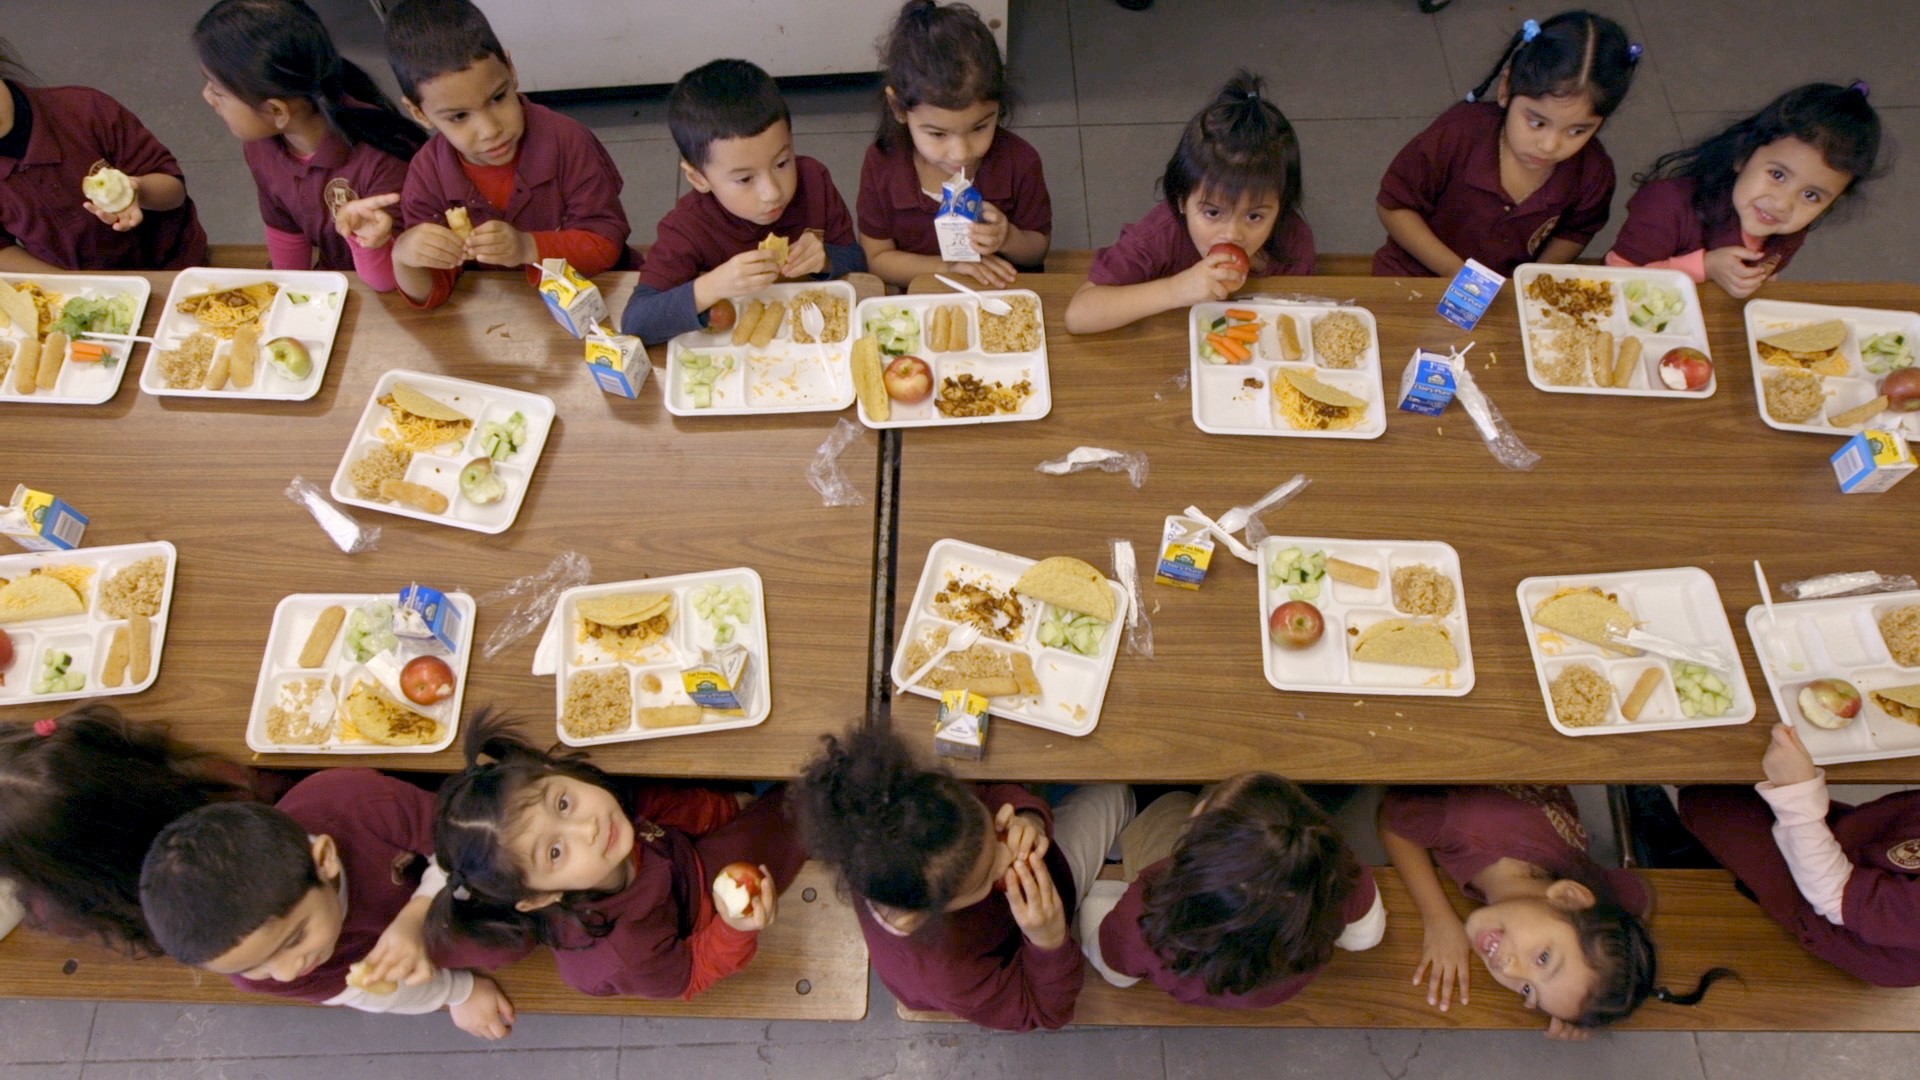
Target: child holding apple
{"x":1232,"y":208}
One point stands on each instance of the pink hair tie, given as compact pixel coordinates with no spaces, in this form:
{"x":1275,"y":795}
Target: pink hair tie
{"x":45,"y":727}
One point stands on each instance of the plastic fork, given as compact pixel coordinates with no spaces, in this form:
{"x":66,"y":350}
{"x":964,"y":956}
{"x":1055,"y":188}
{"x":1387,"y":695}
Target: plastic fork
{"x":960,"y":638}
{"x":104,"y":336}
{"x":1774,"y":647}
{"x":815,"y":324}
{"x":992,"y":305}
{"x":1236,"y":519}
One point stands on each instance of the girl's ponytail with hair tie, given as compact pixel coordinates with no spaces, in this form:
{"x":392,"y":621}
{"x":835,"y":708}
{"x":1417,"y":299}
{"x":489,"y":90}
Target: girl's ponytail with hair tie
{"x":1860,"y":85}
{"x":1635,"y":51}
{"x":46,"y":726}
{"x":1528,"y":31}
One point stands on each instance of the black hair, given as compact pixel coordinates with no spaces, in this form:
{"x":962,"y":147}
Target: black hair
{"x":898,"y":833}
{"x":939,"y":56}
{"x":722,"y":99}
{"x":219,"y":873}
{"x":80,"y":805}
{"x":430,"y":38}
{"x":474,"y":811}
{"x":1241,"y":144}
{"x":1835,"y":120}
{"x":1256,"y":890}
{"x":262,"y":49}
{"x":1620,"y":950}
{"x":1575,"y":52}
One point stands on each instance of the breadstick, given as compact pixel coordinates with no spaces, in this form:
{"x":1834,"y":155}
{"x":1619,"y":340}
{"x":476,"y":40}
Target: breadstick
{"x":1365,"y":577}
{"x":139,"y":648}
{"x":52,"y":355}
{"x":221,"y":367}
{"x":1290,"y":347}
{"x":957,"y":330}
{"x":1629,"y":359}
{"x":1860,"y":414}
{"x":1642,"y":690}
{"x":770,"y":319}
{"x":115,"y":671}
{"x":243,"y":354}
{"x":26,"y":367}
{"x":743,"y":325}
{"x":944,"y":317}
{"x":1600,"y":357}
{"x":320,"y":640}
{"x":867,"y":382}
{"x":418,"y":496}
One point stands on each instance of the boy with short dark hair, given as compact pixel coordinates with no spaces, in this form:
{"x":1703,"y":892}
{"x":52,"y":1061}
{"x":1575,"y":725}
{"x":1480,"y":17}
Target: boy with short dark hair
{"x":736,"y":147}
{"x":321,"y":897}
{"x":525,"y":182}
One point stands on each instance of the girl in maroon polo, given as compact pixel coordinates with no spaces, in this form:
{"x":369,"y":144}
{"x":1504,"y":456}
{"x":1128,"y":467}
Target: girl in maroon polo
{"x":619,"y":879}
{"x":1845,"y":880}
{"x":964,"y":892}
{"x":50,"y":139}
{"x":1246,"y":910}
{"x":327,"y":149}
{"x":1553,"y":926}
{"x":1233,"y":182}
{"x":1735,"y":208}
{"x":946,"y":95}
{"x":1515,"y":173}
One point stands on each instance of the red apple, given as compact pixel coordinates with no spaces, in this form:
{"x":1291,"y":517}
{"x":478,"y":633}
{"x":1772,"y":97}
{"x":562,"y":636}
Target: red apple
{"x":1685,"y":369}
{"x":908,"y":379}
{"x":737,"y":887}
{"x":426,"y":680}
{"x":1829,"y":703}
{"x":1295,"y":624}
{"x":1902,"y":389}
{"x":721,"y":316}
{"x":1238,"y":254}
{"x":6,"y":651}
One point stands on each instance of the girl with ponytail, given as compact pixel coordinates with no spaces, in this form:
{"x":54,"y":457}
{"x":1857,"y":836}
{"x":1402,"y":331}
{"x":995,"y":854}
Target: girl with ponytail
{"x":328,"y":151}
{"x":1233,"y":183}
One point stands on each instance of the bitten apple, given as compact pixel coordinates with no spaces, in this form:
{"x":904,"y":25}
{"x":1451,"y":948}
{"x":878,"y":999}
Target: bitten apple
{"x":908,"y":380}
{"x":1685,"y":369}
{"x":721,"y":316}
{"x":1295,"y":624}
{"x":1902,"y":389}
{"x":737,"y":887}
{"x":1238,"y":254}
{"x":1829,"y":703}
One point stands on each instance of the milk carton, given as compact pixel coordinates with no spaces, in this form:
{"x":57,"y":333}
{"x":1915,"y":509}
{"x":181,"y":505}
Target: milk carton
{"x":617,"y":361}
{"x":574,"y":301}
{"x":1186,"y":549}
{"x":1872,"y":461}
{"x":1470,"y":294}
{"x":960,"y":731}
{"x":953,"y":222}
{"x":719,"y":682}
{"x":1428,"y":385}
{"x":38,"y":521}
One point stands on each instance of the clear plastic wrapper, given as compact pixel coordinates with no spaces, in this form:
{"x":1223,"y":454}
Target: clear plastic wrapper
{"x":1083,"y":458}
{"x":824,"y":473}
{"x":1292,"y":298}
{"x":1852,"y":583}
{"x":1174,"y":387}
{"x":346,"y":533}
{"x":1253,"y":518}
{"x":532,"y":599}
{"x":1501,"y":441}
{"x":1126,"y":570}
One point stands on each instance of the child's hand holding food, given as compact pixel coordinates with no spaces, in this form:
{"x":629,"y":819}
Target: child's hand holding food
{"x":744,"y":274}
{"x":1212,"y":278}
{"x":366,"y":221}
{"x":486,"y":1013}
{"x":430,"y":247}
{"x":806,"y":256}
{"x":1023,"y":833}
{"x":497,"y":243}
{"x":759,"y":911}
{"x":1739,"y":270}
{"x":400,"y":956}
{"x":128,"y":216}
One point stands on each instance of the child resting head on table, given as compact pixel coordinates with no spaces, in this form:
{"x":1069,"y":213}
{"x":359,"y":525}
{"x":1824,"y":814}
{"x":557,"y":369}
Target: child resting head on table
{"x":626,"y":882}
{"x":758,"y":211}
{"x":503,"y":182}
{"x":1233,"y":181}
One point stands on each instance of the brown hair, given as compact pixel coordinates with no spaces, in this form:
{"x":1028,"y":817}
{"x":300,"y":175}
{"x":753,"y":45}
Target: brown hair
{"x":939,"y":56}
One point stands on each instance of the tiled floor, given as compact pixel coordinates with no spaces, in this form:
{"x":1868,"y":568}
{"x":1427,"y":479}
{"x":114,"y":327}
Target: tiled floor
{"x":1104,"y":92}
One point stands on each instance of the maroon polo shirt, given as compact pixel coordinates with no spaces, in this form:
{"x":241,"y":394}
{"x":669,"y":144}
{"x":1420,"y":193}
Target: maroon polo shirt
{"x":1159,"y":246}
{"x":1125,"y":949}
{"x":42,"y":209}
{"x":563,"y":179}
{"x":383,"y":829}
{"x":893,"y":206}
{"x":1662,"y":223}
{"x":293,"y":193}
{"x":1470,"y":828}
{"x":699,"y":234}
{"x":975,"y":962}
{"x":1450,"y":175}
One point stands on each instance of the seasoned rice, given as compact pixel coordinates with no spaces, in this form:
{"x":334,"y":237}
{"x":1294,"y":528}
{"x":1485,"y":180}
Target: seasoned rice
{"x":1340,"y":340}
{"x":186,"y":366}
{"x":598,"y":703}
{"x":1422,"y":590}
{"x":1016,"y":331}
{"x":387,"y":462}
{"x":833,"y":312}
{"x":289,"y":720}
{"x":1901,"y":629}
{"x":1581,"y":696}
{"x":135,"y":590}
{"x":1794,"y":397}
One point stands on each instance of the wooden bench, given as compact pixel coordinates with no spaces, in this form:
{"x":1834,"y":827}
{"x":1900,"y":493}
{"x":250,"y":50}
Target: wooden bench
{"x":812,"y":965}
{"x":1701,"y":923}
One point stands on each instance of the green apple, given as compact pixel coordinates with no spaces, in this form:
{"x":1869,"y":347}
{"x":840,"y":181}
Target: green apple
{"x":290,"y":357}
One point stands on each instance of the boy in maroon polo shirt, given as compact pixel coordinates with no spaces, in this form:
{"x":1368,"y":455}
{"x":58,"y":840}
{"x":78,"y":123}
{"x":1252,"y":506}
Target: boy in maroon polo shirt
{"x":534,"y":184}
{"x":736,"y":149}
{"x":289,"y":899}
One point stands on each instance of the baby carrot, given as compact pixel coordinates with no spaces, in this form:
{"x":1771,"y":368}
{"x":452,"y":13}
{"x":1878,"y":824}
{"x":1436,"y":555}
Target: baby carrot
{"x":1230,"y":348}
{"x":1242,"y":314}
{"x":1243,"y":332}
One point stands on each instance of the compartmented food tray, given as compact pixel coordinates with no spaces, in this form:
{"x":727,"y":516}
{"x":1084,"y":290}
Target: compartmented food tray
{"x":1416,"y":593}
{"x":302,"y":708}
{"x":620,"y":681}
{"x":85,"y":612}
{"x":732,"y":372}
{"x":963,"y":580}
{"x":392,"y":443}
{"x":300,"y":306}
{"x":989,"y":369}
{"x":1681,"y":604}
{"x":1871,"y":642}
{"x":1563,"y":307}
{"x":79,"y":382}
{"x":1261,"y":367}
{"x":1809,"y":397}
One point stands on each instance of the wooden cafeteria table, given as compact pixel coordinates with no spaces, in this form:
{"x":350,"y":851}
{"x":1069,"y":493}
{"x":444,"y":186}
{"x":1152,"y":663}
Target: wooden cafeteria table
{"x":1623,"y":484}
{"x":639,"y":492}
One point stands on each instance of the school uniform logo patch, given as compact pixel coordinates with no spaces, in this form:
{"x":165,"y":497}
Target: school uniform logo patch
{"x":1540,"y":235}
{"x":1905,"y":854}
{"x":337,"y":194}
